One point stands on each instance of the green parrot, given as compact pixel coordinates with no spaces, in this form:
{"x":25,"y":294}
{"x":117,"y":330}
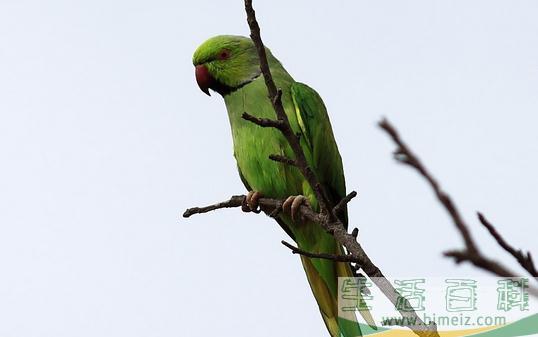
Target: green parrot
{"x":230,"y":66}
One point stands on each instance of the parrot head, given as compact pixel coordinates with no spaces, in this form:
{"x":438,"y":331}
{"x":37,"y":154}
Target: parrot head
{"x":225,"y":62}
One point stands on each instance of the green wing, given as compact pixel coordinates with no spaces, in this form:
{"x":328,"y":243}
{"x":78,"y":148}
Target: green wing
{"x":318,"y":136}
{"x":325,"y":160}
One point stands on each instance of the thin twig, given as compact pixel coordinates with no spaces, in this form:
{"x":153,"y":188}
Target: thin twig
{"x":524,"y":260}
{"x":234,"y":201}
{"x":263,"y":122}
{"x":332,"y":257}
{"x":283,"y":159}
{"x":342,"y":204}
{"x":325,"y":256}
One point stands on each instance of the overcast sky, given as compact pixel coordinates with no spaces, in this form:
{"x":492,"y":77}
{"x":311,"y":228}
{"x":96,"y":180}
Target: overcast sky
{"x":105,"y":139}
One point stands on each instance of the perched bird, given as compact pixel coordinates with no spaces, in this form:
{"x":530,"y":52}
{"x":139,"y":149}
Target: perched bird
{"x":230,"y":66}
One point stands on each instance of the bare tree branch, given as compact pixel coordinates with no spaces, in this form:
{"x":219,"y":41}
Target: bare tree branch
{"x":405,"y":156}
{"x":264,"y":122}
{"x":234,"y":201}
{"x":325,"y":256}
{"x":356,"y":253}
{"x":283,"y":159}
{"x":332,"y":257}
{"x":341,"y":206}
{"x":327,"y":217}
{"x":470,"y":253}
{"x":524,"y":260}
{"x":275,"y":95}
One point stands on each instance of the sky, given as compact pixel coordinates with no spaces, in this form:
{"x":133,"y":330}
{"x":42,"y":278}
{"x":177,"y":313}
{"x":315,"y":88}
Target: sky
{"x":105,"y":139}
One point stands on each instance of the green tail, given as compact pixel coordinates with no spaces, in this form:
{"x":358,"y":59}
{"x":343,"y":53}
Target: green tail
{"x":323,"y":276}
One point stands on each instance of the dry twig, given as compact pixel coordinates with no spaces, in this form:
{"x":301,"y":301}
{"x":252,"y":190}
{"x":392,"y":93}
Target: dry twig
{"x":525,"y":260}
{"x":333,"y":257}
{"x":471,"y":252}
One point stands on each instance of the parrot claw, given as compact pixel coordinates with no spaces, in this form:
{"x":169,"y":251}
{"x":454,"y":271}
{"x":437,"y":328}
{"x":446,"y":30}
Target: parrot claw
{"x":251,"y":202}
{"x":293,"y":203}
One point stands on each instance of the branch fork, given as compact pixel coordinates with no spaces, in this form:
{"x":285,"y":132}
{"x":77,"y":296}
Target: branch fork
{"x":470,"y":253}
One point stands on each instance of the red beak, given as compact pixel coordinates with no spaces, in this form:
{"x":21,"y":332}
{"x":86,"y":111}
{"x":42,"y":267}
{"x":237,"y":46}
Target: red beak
{"x":204,"y":78}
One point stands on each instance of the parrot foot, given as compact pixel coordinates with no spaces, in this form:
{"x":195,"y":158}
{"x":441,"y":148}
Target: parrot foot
{"x":251,"y":202}
{"x":293,"y":203}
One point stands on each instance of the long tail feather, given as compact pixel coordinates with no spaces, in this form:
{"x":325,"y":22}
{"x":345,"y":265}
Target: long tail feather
{"x":328,"y":303}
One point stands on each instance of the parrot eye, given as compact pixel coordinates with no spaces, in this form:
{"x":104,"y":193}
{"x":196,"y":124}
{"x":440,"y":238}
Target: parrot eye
{"x":224,"y":54}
